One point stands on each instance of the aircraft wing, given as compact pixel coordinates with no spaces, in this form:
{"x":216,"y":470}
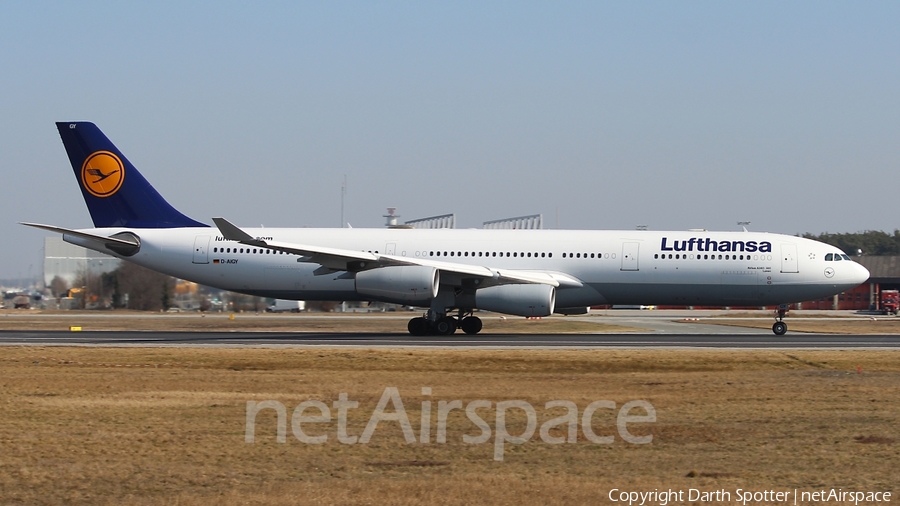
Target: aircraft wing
{"x":335,"y":259}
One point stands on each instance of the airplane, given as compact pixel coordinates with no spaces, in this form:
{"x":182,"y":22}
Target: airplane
{"x":450,"y":273}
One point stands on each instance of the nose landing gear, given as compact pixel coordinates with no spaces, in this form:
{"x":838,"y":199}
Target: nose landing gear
{"x":780,"y":328}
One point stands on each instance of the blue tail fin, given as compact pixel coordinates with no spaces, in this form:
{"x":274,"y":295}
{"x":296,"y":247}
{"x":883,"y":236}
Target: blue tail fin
{"x":116,"y":194}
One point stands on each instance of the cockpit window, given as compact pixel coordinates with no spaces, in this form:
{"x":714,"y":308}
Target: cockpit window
{"x":845,"y":256}
{"x":829,"y":257}
{"x":837,"y":257}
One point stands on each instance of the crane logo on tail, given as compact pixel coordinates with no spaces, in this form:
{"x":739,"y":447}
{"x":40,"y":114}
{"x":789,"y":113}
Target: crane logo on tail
{"x":102,"y":174}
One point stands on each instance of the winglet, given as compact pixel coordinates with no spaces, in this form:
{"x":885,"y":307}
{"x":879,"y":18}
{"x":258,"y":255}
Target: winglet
{"x":232,"y":233}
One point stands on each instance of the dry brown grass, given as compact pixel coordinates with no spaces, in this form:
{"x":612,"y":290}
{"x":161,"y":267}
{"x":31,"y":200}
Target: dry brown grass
{"x":263,"y":322}
{"x":166,"y":426}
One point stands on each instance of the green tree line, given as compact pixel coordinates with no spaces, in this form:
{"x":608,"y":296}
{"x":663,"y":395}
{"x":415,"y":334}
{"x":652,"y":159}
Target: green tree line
{"x":134,"y":287}
{"x":870,"y":242}
{"x":146,"y":290}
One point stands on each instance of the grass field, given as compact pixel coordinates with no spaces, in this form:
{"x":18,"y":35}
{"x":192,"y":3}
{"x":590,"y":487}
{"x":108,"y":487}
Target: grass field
{"x":167,"y":426}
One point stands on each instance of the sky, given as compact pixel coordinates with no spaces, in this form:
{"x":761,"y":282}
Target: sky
{"x":598,"y":115}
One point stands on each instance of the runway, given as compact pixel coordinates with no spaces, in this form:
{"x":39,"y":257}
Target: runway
{"x":742,"y":340}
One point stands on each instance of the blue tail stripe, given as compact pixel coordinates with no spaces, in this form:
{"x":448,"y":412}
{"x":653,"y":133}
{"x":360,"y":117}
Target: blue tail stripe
{"x":134,"y":203}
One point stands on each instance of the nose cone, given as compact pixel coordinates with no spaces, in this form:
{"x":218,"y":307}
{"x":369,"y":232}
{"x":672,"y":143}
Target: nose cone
{"x":859,"y":275}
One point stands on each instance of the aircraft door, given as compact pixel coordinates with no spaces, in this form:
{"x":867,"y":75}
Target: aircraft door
{"x":390,"y":248}
{"x":630,"y":256}
{"x":201,"y":249}
{"x":789,"y":258}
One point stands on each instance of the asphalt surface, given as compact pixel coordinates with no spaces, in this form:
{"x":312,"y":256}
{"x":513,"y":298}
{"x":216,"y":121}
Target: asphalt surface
{"x":741,"y":340}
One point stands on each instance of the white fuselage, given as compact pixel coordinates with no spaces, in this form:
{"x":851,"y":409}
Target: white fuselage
{"x":614,"y":267}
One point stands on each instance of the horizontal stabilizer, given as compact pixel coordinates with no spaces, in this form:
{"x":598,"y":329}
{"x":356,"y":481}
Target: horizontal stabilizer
{"x":83,"y":235}
{"x":123,"y":243}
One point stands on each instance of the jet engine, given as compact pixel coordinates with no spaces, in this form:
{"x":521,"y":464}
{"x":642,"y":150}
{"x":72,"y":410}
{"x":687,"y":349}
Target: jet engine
{"x":399,"y":284}
{"x":521,"y":300}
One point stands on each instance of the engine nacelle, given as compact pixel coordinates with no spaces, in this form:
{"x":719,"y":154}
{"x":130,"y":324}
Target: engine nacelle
{"x":521,"y":300}
{"x":400,"y":284}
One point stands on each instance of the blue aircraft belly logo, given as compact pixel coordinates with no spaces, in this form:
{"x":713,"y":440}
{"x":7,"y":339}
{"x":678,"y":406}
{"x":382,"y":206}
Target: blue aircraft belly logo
{"x":102,"y":174}
{"x":707,"y":244}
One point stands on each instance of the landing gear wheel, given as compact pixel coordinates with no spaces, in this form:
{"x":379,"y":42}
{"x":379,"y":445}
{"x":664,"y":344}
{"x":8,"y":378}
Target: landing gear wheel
{"x":780,"y":328}
{"x":471,"y":325}
{"x":445,"y":326}
{"x":418,"y":326}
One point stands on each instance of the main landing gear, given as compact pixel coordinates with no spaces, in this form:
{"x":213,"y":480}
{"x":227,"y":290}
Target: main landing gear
{"x":444,"y":325}
{"x":780,"y":328}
